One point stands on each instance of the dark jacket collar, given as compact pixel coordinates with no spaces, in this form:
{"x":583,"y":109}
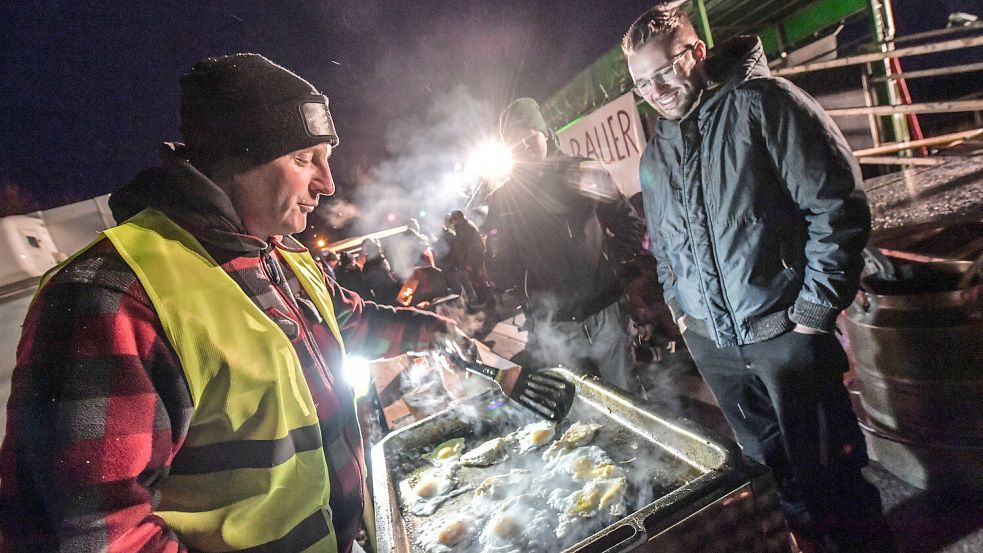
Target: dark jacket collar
{"x":736,"y":61}
{"x":188,"y":197}
{"x":727,"y":66}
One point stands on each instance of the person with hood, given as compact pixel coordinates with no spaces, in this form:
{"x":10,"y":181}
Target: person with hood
{"x":178,"y":384}
{"x":757,"y":220}
{"x":560,"y":230}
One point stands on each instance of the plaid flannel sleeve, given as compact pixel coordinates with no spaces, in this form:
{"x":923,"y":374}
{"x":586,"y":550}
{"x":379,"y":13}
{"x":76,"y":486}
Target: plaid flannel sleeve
{"x":372,"y":330}
{"x":98,"y":408}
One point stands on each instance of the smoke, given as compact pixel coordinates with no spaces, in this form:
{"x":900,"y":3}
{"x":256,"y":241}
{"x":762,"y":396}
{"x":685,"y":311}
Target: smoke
{"x":428,"y":172}
{"x":469,"y":323}
{"x":336,"y":213}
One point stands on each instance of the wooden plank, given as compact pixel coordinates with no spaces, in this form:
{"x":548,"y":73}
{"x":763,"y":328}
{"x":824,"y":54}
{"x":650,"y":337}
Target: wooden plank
{"x":933,"y":141}
{"x":859,"y":59}
{"x":888,"y":160}
{"x":954,"y":106}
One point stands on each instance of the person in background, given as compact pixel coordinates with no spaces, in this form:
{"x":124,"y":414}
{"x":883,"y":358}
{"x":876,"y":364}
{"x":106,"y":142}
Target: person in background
{"x":349,"y":274}
{"x":380,"y":283}
{"x":466,"y":259}
{"x":757,"y":220}
{"x":403,"y":250}
{"x":178,"y":384}
{"x":330,"y":263}
{"x":425,"y":284}
{"x":561,"y":230}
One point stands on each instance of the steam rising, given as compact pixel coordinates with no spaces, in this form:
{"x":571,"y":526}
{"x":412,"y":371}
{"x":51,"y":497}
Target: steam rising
{"x":650,"y":472}
{"x":427,"y":174}
{"x":336,"y":212}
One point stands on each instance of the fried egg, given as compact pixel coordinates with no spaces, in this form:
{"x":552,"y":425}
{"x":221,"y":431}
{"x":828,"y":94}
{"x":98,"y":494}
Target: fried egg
{"x":518,"y":528}
{"x":579,"y":434}
{"x":425,"y":493}
{"x":534,"y":436}
{"x":605,"y":497}
{"x":488,"y":453}
{"x":585,"y":463}
{"x":447,"y":452}
{"x":445,"y":537}
{"x":495,"y":488}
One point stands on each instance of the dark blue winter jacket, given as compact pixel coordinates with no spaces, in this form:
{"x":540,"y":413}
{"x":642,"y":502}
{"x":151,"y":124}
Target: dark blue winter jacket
{"x":754,"y":205}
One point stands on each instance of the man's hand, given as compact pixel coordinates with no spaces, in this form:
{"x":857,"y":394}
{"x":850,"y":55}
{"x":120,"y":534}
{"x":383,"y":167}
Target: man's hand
{"x":681,"y":323}
{"x":352,"y":300}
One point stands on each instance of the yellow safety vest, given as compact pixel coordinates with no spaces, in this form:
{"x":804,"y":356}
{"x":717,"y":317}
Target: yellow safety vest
{"x":251,"y":474}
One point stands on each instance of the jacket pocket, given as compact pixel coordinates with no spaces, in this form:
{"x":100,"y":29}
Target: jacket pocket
{"x":673,"y":227}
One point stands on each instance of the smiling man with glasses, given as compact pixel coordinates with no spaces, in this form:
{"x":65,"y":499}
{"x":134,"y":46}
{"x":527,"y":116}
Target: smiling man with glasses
{"x":662,"y":76}
{"x":757,"y":221}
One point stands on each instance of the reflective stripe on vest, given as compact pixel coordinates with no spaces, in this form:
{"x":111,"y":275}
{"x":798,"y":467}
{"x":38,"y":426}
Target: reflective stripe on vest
{"x":251,"y":475}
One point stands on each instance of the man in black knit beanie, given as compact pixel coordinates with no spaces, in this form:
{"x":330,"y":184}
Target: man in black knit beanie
{"x":179,"y":383}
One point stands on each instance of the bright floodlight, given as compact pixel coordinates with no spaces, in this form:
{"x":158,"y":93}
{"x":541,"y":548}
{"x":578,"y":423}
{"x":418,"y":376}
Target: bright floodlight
{"x":492,"y":160}
{"x":358,"y":375}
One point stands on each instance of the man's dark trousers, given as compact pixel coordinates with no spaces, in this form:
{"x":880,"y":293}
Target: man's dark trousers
{"x":788,"y":407}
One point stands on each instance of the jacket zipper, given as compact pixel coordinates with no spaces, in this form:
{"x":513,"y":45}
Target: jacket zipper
{"x":271,"y":265}
{"x":712,"y":245}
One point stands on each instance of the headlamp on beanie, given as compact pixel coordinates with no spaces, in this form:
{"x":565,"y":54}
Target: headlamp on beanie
{"x":247,"y":107}
{"x":318,"y":122}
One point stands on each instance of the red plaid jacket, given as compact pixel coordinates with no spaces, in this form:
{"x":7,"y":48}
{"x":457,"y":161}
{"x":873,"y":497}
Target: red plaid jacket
{"x":99,"y":405}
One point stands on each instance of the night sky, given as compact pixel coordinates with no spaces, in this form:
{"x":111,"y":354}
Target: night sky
{"x":88,"y":90}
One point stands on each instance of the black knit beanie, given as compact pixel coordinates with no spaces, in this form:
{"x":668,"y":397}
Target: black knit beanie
{"x":246,"y":106}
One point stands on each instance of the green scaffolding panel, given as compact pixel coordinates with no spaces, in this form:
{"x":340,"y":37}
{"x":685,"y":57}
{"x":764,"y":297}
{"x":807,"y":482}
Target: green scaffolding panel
{"x":817,"y":17}
{"x":608,"y":77}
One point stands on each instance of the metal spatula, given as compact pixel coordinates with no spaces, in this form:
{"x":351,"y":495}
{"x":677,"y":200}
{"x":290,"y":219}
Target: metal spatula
{"x":543,"y":393}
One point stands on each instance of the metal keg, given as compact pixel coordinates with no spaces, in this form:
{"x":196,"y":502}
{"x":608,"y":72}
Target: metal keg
{"x":918,"y":346}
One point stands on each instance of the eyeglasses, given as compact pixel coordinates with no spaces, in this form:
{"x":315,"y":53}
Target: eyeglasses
{"x":663,"y":76}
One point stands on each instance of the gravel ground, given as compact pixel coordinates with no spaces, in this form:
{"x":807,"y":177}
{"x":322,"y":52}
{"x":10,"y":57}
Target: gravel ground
{"x":952,"y":191}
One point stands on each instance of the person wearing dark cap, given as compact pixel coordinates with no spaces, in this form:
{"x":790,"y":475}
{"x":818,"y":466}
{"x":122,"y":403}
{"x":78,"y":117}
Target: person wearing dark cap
{"x":330,"y":263}
{"x":559,"y":231}
{"x":178,"y":384}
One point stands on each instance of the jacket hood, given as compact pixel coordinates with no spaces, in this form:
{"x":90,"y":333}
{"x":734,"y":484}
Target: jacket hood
{"x":188,"y":197}
{"x":727,"y":66}
{"x":736,"y":61}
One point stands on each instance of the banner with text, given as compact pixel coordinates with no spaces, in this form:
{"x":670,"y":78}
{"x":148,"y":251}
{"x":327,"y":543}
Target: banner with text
{"x":612,"y":135}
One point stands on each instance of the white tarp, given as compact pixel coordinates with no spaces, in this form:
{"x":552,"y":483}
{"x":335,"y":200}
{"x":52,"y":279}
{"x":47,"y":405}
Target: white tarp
{"x":26,"y":249}
{"x":74,"y":226}
{"x":612,"y":135}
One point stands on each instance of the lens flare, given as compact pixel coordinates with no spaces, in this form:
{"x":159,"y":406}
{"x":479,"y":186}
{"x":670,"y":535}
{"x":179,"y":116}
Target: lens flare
{"x":492,"y":160}
{"x":358,"y":375}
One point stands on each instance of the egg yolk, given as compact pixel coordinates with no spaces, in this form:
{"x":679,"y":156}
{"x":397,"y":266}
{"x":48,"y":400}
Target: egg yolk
{"x":445,"y":452}
{"x":584,"y":502}
{"x":425,"y":488}
{"x":583,"y":468}
{"x":580,"y":465}
{"x":505,"y":527}
{"x":452,"y":532}
{"x":613,"y":493}
{"x":539,"y":436}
